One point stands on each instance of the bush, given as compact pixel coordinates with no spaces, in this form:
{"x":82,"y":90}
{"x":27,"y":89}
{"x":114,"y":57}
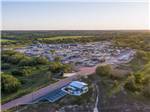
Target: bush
{"x":8,"y":52}
{"x":67,"y":68}
{"x":26,"y":61}
{"x":146,"y":80}
{"x":49,"y":75}
{"x":5,"y":66}
{"x":131,"y":84}
{"x":104,"y":70}
{"x":146,"y":90}
{"x":4,"y":58}
{"x":57,"y":59}
{"x":25,"y":71}
{"x":40,"y":60}
{"x":15,"y":59}
{"x":55,"y":67}
{"x":139,"y":78}
{"x":9,"y":83}
{"x":141,"y":55}
{"x":17,"y":72}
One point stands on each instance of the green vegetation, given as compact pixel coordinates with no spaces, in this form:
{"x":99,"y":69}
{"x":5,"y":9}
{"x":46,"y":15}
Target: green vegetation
{"x":9,"y":83}
{"x":104,"y":70}
{"x":35,"y":72}
{"x":72,"y":39}
{"x":61,"y":37}
{"x":7,"y":41}
{"x":140,"y":41}
{"x":23,"y":74}
{"x":138,"y":79}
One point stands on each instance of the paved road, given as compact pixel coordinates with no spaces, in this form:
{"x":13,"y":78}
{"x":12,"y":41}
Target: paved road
{"x":37,"y":94}
{"x":41,"y":92}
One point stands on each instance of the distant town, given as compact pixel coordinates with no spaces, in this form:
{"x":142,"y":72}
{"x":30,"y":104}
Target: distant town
{"x":81,"y":55}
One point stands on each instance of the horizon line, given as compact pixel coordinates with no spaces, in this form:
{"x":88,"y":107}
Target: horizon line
{"x":78,"y":30}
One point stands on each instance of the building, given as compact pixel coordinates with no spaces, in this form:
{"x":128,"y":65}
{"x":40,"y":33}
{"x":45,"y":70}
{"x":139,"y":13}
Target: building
{"x":76,"y":88}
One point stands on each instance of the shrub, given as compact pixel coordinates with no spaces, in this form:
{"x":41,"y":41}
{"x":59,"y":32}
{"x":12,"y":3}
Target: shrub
{"x":4,"y":58}
{"x":67,"y":67}
{"x":55,"y":67}
{"x":8,"y":52}
{"x":146,"y":90}
{"x":146,"y":80}
{"x":139,"y":78}
{"x":141,"y":55}
{"x":5,"y":66}
{"x":49,"y":75}
{"x":9,"y":83}
{"x":14,"y":59}
{"x":40,"y":60}
{"x":26,"y":61}
{"x":17,"y":72}
{"x":104,"y":70}
{"x":25,"y":71}
{"x":131,"y":84}
{"x":57,"y":59}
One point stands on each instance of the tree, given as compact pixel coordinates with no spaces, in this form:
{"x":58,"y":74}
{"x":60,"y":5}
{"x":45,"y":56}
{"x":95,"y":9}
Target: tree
{"x":57,"y":59}
{"x":26,"y":61}
{"x":49,"y":75}
{"x":40,"y":60}
{"x":52,"y":51}
{"x":23,"y":71}
{"x":55,"y":67}
{"x":131,"y":84}
{"x":5,"y":66}
{"x":9,"y":83}
{"x":17,"y":72}
{"x":14,"y":59}
{"x":104,"y":70}
{"x":8,"y":52}
{"x":139,"y":78}
{"x":67,"y":67}
{"x":142,"y":55}
{"x":146,"y":90}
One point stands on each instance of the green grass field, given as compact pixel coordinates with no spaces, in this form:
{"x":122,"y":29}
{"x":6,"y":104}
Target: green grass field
{"x":62,"y":37}
{"x":6,"y":40}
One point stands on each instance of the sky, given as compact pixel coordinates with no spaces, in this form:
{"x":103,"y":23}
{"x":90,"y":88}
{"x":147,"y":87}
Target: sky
{"x":75,"y":15}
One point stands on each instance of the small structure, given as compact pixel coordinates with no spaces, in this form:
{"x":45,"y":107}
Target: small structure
{"x":52,"y":96}
{"x":76,"y":88}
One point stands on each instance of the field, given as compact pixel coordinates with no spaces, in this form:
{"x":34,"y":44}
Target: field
{"x":7,"y":41}
{"x":62,"y":37}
